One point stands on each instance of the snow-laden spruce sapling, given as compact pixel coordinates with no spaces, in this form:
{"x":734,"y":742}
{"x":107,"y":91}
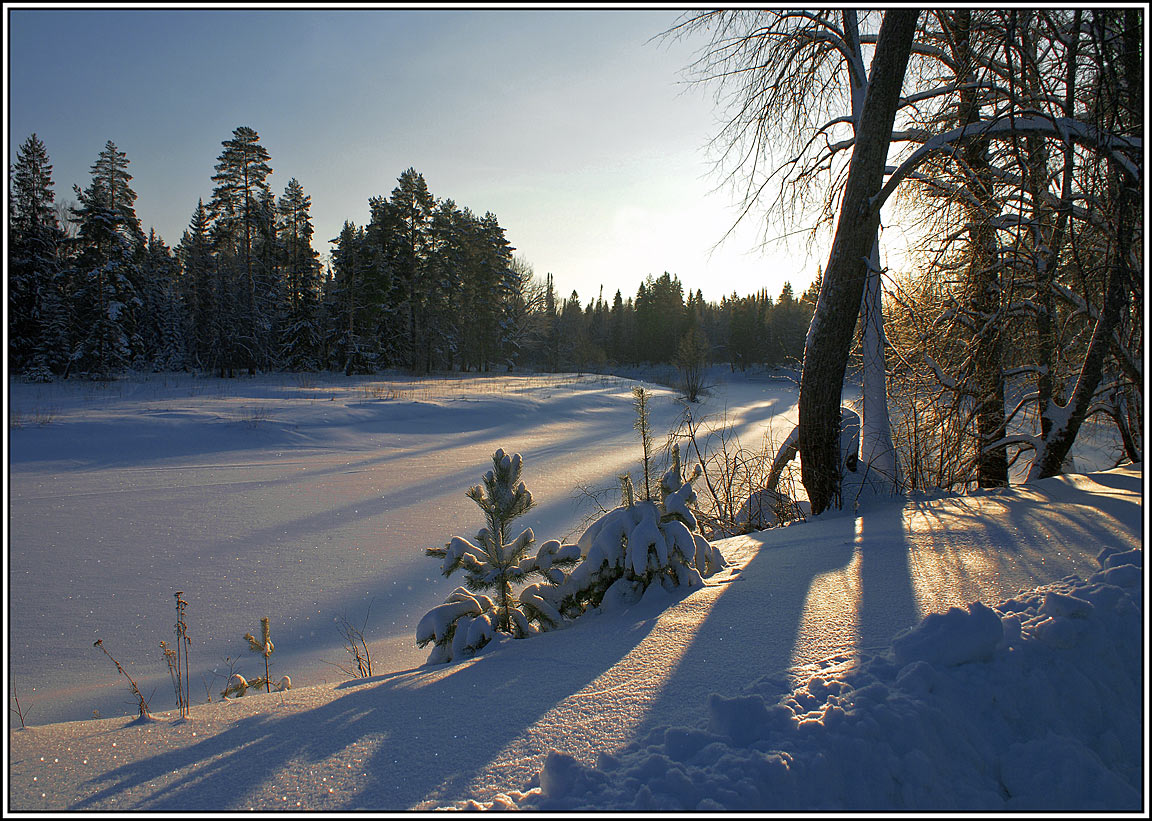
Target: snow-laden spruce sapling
{"x":469,"y":619}
{"x":638,"y":544}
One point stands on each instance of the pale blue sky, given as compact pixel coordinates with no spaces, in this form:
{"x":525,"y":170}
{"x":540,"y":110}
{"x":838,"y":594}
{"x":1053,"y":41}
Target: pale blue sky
{"x":571,"y":126}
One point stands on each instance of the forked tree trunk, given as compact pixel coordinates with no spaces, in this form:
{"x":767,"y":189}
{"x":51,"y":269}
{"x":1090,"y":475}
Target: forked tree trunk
{"x":830,"y":334}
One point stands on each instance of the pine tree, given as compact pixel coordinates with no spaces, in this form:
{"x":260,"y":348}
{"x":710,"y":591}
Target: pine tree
{"x":37,"y":321}
{"x":469,"y":620}
{"x":410,"y":209}
{"x":263,"y":648}
{"x":449,"y":305}
{"x":240,"y":214}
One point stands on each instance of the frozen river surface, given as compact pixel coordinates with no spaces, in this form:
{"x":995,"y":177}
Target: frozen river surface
{"x":301,"y":499}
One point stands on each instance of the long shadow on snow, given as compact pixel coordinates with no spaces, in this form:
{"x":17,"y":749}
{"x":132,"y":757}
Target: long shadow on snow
{"x":1041,"y":531}
{"x":412,"y":595}
{"x":406,"y":496}
{"x":144,"y":440}
{"x":433,"y":728}
{"x":875,"y":602}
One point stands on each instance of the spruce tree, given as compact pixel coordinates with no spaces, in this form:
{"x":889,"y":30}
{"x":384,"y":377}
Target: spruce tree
{"x":301,"y":333}
{"x":200,"y":292}
{"x":166,"y":307}
{"x":503,"y":286}
{"x":353,"y":304}
{"x":37,"y":305}
{"x":107,"y":269}
{"x":636,"y":545}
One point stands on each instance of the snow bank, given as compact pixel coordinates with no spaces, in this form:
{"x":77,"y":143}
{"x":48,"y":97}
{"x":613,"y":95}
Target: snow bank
{"x":1035,"y":703}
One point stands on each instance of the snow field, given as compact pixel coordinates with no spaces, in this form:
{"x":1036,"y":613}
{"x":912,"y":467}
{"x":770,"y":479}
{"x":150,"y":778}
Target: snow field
{"x":300,"y":497}
{"x":777,"y":685}
{"x":1033,"y":704}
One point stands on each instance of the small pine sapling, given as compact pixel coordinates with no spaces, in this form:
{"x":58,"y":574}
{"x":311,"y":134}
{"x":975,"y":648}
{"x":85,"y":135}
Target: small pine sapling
{"x":640,"y":403}
{"x":468,"y":620}
{"x":263,"y":648}
{"x":641,"y":543}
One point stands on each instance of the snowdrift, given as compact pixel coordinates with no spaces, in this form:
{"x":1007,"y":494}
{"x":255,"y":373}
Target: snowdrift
{"x":1033,"y":704}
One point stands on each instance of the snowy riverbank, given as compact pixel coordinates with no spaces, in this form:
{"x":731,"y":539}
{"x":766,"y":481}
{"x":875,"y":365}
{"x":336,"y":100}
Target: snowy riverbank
{"x":302,"y":498}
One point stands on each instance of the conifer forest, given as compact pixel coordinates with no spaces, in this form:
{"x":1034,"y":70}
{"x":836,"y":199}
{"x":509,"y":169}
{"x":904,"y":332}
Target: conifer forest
{"x":426,"y":285}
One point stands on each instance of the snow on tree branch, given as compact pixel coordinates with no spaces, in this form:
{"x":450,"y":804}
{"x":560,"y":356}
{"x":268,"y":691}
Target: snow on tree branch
{"x":1119,"y":148}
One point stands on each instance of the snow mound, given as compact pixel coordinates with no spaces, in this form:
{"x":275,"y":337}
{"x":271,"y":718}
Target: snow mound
{"x":978,"y":708}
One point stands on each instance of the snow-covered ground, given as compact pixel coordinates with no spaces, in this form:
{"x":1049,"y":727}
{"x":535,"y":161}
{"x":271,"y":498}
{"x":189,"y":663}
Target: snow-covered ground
{"x":775,"y":686}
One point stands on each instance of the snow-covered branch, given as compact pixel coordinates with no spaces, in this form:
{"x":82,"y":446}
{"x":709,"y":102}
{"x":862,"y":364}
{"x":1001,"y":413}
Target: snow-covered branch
{"x":1119,"y":148}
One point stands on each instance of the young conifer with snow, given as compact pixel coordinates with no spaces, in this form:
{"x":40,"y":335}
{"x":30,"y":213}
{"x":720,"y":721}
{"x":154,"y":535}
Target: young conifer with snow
{"x":641,"y":543}
{"x":469,"y":620}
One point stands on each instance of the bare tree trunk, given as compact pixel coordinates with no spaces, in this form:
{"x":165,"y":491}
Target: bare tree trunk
{"x":1126,"y":91}
{"x":984,"y":279}
{"x":1062,"y":435}
{"x":877,"y":451}
{"x":830,"y":334}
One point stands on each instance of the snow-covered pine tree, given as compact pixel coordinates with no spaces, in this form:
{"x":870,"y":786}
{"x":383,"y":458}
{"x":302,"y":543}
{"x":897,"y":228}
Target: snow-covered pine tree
{"x":37,"y":318}
{"x":639,"y":544}
{"x":408,"y":247}
{"x":468,"y":620}
{"x":240,"y":215}
{"x":301,"y":333}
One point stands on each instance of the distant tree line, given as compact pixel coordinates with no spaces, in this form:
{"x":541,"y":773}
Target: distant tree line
{"x":740,"y":331}
{"x":426,"y":285}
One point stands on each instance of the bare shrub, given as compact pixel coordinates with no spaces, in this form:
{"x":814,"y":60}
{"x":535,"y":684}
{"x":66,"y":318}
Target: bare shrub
{"x":359,"y":664}
{"x":740,"y":493}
